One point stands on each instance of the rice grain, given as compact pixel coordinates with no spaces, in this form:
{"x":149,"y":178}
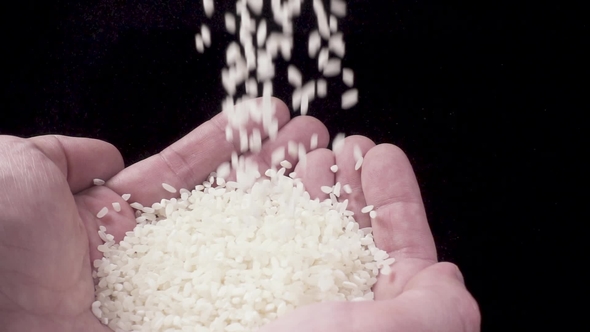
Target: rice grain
{"x":349,"y":98}
{"x":103,"y":212}
{"x":98,"y":182}
{"x":168,"y":188}
{"x":116,"y":206}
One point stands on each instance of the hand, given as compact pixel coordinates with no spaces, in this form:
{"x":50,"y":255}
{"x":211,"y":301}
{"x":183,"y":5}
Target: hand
{"x":48,"y":225}
{"x":420,"y":294}
{"x":48,"y":229}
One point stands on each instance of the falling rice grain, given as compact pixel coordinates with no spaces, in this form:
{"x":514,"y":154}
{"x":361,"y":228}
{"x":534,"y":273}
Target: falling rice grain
{"x":332,"y":67}
{"x":206,"y":33}
{"x":209,"y":7}
{"x":348,"y":77}
{"x":199,"y":43}
{"x":349,"y":98}
{"x":313,"y":144}
{"x":359,"y":164}
{"x":230,"y":23}
{"x":338,"y":7}
{"x":322,"y":88}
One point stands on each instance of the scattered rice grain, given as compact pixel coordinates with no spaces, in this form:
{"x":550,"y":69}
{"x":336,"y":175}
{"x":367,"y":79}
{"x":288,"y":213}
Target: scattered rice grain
{"x":103,"y":212}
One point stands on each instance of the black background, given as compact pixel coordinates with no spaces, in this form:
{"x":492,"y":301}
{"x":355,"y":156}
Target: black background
{"x":483,"y":96}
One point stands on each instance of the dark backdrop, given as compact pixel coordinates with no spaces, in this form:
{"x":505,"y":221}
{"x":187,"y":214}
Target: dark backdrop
{"x":483,"y":97}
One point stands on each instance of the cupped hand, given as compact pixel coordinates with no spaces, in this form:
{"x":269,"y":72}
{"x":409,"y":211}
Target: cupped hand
{"x":420,"y":294}
{"x":48,"y":227}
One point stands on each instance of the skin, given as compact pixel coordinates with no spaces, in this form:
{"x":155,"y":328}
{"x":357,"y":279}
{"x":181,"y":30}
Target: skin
{"x":48,"y":226}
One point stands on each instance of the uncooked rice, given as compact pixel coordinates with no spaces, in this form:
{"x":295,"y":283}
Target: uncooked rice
{"x":349,"y":98}
{"x":117,"y":206}
{"x":359,"y":164}
{"x":98,"y":182}
{"x":348,"y":77}
{"x":103,"y":212}
{"x":206,"y":263}
{"x":236,"y":254}
{"x":367,"y":209}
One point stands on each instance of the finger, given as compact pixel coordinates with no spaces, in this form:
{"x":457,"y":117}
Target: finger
{"x":315,"y":172}
{"x":347,"y":175}
{"x":81,"y":159}
{"x":400,"y":227}
{"x":389,"y":183}
{"x":117,"y":223}
{"x":187,"y":162}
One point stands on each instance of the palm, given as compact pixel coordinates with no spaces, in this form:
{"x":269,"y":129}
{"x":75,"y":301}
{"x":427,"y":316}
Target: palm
{"x":49,"y":286}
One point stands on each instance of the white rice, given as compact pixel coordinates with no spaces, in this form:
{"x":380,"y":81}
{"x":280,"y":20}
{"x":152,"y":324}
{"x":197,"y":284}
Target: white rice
{"x":373,"y":214}
{"x":347,"y":189}
{"x":314,"y":43}
{"x":326,"y":189}
{"x":230,"y":23}
{"x":235,"y":255}
{"x":255,"y":6}
{"x":98,"y":182}
{"x":349,"y":98}
{"x":292,"y":149}
{"x":286,"y":164}
{"x":136,"y":205}
{"x":322,"y":88}
{"x":333,"y":24}
{"x":348,"y":77}
{"x":206,"y":33}
{"x":257,"y":268}
{"x":126,"y":197}
{"x":356,"y":152}
{"x":103,"y":212}
{"x":209,"y":7}
{"x":332,"y":67}
{"x":336,"y":189}
{"x":323,"y":58}
{"x":367,"y":209}
{"x":304,"y":103}
{"x":168,"y":188}
{"x":336,"y":45}
{"x":313,"y":144}
{"x":294,"y":76}
{"x":322,"y":19}
{"x":199,"y":43}
{"x":358,"y":164}
{"x":261,"y":33}
{"x":338,"y":143}
{"x":338,"y":7}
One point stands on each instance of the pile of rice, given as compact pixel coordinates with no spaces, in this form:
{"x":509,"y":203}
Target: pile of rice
{"x":235,"y":255}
